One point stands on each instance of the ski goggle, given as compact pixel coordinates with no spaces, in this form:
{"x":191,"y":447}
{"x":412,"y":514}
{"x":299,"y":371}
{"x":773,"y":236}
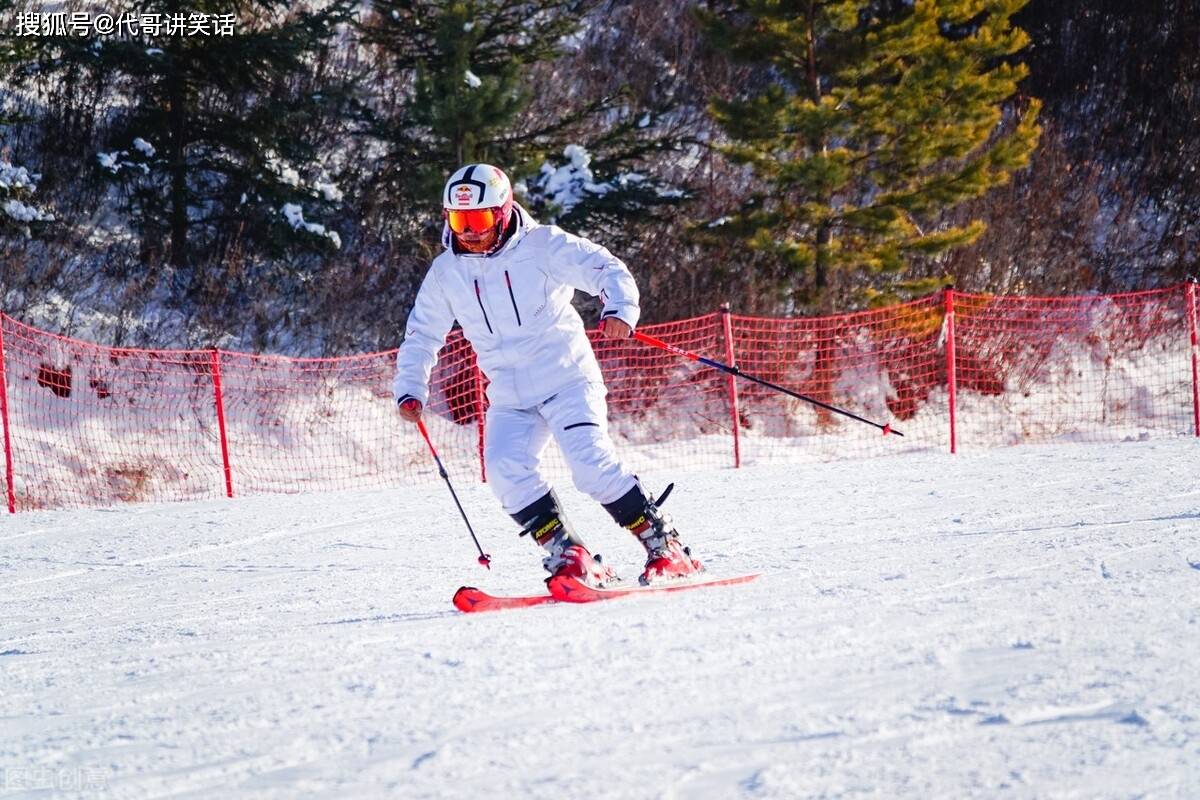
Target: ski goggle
{"x":477,"y":220}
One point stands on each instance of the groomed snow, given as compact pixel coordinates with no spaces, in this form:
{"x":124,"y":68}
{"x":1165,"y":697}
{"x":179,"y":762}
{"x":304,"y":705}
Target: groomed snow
{"x":1023,"y":622}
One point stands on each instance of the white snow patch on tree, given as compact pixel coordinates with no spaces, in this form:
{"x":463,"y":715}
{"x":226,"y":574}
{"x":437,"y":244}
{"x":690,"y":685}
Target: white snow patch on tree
{"x":295,"y":217}
{"x":328,"y":190}
{"x":566,"y":186}
{"x":144,"y":146}
{"x":25,"y":213}
{"x":16,"y":184}
{"x":110,"y":161}
{"x":12,"y":177}
{"x":472,"y":80}
{"x":285,"y":172}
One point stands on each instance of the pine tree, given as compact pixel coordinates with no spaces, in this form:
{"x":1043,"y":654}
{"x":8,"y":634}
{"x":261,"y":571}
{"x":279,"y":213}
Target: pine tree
{"x":876,"y":117}
{"x":212,"y":143}
{"x":457,"y":67}
{"x":20,"y":215}
{"x":464,"y":68}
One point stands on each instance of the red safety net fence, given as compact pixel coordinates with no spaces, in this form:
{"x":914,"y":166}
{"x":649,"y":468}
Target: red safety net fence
{"x":87,"y":425}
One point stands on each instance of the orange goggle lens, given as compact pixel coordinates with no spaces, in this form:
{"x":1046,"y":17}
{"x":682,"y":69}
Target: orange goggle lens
{"x":477,"y":220}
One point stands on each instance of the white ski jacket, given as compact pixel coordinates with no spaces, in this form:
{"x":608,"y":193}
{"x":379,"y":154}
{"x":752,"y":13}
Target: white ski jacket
{"x":515,"y":309}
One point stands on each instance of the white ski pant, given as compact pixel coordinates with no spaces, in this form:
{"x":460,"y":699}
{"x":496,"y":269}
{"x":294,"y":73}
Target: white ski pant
{"x":577,"y":417}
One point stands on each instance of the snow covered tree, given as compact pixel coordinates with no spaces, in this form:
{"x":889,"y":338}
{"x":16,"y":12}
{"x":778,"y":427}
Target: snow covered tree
{"x":465,"y":69}
{"x":458,"y":69}
{"x":19,"y":215}
{"x":213,"y":143}
{"x":878,"y":115}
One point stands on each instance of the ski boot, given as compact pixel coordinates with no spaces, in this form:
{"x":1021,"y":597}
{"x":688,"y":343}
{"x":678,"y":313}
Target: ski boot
{"x":666,"y":557}
{"x":544,"y":521}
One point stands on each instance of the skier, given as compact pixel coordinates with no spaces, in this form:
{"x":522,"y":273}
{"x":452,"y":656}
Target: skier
{"x":508,"y":281}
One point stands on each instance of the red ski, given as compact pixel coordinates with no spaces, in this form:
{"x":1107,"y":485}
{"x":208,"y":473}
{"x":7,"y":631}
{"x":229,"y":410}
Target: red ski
{"x":572,"y":590}
{"x":468,"y":599}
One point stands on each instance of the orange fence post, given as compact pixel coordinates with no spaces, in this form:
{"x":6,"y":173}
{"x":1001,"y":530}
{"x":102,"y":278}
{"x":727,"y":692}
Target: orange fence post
{"x":727,"y":330}
{"x":951,"y":369}
{"x":219,"y":397}
{"x":1192,"y":325}
{"x":8,"y":460}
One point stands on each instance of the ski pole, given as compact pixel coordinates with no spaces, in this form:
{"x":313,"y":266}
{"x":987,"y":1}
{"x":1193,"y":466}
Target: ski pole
{"x":679,"y":351}
{"x":484,"y":558}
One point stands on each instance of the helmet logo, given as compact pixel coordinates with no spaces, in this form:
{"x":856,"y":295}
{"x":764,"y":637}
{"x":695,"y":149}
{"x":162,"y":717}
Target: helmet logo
{"x":463,"y":195}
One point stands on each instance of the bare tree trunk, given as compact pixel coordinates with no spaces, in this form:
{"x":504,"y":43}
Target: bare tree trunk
{"x":813,"y":78}
{"x":178,"y":168}
{"x":823,"y":369}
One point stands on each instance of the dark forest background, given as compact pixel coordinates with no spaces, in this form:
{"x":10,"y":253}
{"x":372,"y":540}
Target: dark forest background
{"x":278,"y":190}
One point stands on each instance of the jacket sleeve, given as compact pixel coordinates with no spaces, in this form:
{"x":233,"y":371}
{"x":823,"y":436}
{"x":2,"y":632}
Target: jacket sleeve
{"x":591,"y":268}
{"x":428,"y":324}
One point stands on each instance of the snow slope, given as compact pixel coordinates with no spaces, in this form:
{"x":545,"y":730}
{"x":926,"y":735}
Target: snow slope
{"x":1018,"y":623}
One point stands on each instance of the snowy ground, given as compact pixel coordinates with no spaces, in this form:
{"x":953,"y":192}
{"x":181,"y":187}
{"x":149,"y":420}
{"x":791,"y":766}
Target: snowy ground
{"x":1017,"y":623}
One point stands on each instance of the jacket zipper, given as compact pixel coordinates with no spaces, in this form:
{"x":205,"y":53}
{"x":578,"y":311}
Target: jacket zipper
{"x":512,"y":297}
{"x":479,"y":299}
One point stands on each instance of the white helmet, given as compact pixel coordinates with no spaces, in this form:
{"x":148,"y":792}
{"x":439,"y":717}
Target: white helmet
{"x":478,"y":186}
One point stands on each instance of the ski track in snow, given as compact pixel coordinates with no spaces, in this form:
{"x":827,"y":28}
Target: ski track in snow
{"x":1021,"y":622}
